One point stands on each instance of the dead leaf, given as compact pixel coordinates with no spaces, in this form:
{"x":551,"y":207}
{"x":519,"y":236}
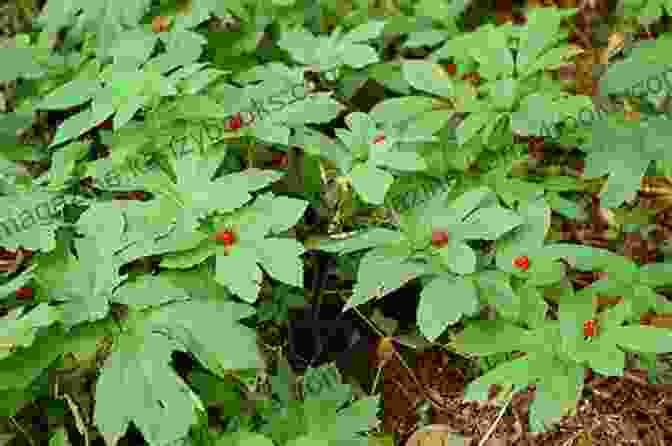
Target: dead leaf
{"x":436,"y":435}
{"x":657,"y":189}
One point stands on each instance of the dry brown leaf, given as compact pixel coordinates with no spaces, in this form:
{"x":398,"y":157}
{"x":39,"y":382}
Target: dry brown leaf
{"x":657,"y":190}
{"x":436,"y":435}
{"x":615,"y":45}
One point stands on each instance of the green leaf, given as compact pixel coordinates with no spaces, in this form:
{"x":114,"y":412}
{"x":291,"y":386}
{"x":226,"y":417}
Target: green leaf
{"x":76,"y":125}
{"x":368,"y":238}
{"x":88,"y":284}
{"x":495,"y":289}
{"x":379,"y":275}
{"x":492,"y":53}
{"x":198,"y":107}
{"x":428,"y":77}
{"x":239,"y":272}
{"x":60,"y":438}
{"x":472,"y":124}
{"x":363,"y":127}
{"x":536,"y":112}
{"x":655,"y":274}
{"x":443,"y":302}
{"x":280,"y":258}
{"x":364,"y":32}
{"x":557,"y":395}
{"x":527,"y":238}
{"x":317,"y":108}
{"x":641,"y":338}
{"x":430,"y":37}
{"x":199,"y":325}
{"x":358,"y":56}
{"x":285,"y":212}
{"x":517,"y":372}
{"x":159,"y":403}
{"x":544,"y":273}
{"x":21,"y":331}
{"x":72,"y":94}
{"x":489,"y":337}
{"x":269,"y":132}
{"x":8,"y":289}
{"x":397,"y":110}
{"x":602,"y":356}
{"x":540,"y":31}
{"x":405,"y":161}
{"x":108,"y":18}
{"x":532,"y":306}
{"x":301,"y":45}
{"x":458,"y":257}
{"x":21,"y":62}
{"x":371,"y":182}
{"x":104,"y":222}
{"x":149,"y":291}
{"x":466,"y":203}
{"x":623,"y":149}
{"x":63,"y":163}
{"x":160,"y":407}
{"x":503,"y":93}
{"x":488,"y":224}
{"x":645,"y":62}
{"x":430,"y":122}
{"x":243,"y":438}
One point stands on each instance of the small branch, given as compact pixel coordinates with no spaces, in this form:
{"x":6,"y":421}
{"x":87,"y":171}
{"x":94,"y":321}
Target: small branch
{"x":494,"y":425}
{"x":23,"y":431}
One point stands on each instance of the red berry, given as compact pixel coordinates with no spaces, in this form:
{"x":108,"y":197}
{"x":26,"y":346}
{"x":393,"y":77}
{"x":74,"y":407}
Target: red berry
{"x":225,"y":237}
{"x":235,"y":122}
{"x":24,"y":293}
{"x":280,"y":159}
{"x":589,"y":328}
{"x":379,"y":139}
{"x":519,"y":19}
{"x":439,"y":238}
{"x":521,"y":262}
{"x":451,"y":68}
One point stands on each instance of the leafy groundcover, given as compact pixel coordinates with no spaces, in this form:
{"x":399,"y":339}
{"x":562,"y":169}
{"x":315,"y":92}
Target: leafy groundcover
{"x":263,"y":222}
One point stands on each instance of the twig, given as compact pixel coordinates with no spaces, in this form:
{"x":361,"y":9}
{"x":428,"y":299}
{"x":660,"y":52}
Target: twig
{"x":23,"y":431}
{"x":494,"y":424}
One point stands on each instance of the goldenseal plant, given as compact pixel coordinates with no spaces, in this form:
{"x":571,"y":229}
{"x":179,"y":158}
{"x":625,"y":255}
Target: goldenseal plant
{"x":179,"y":179}
{"x":432,"y":242}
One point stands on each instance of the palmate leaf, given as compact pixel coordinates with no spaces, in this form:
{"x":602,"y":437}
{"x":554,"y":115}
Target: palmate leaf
{"x":326,"y":426}
{"x":540,"y":32}
{"x":185,"y":246}
{"x":371,"y":182}
{"x":557,"y":394}
{"x":21,"y":332}
{"x":443,"y":302}
{"x":107,"y":18}
{"x":88,"y":288}
{"x":380,"y":274}
{"x":30,"y":219}
{"x":647,"y":61}
{"x":158,"y":402}
{"x":330,"y":52}
{"x":623,"y":149}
